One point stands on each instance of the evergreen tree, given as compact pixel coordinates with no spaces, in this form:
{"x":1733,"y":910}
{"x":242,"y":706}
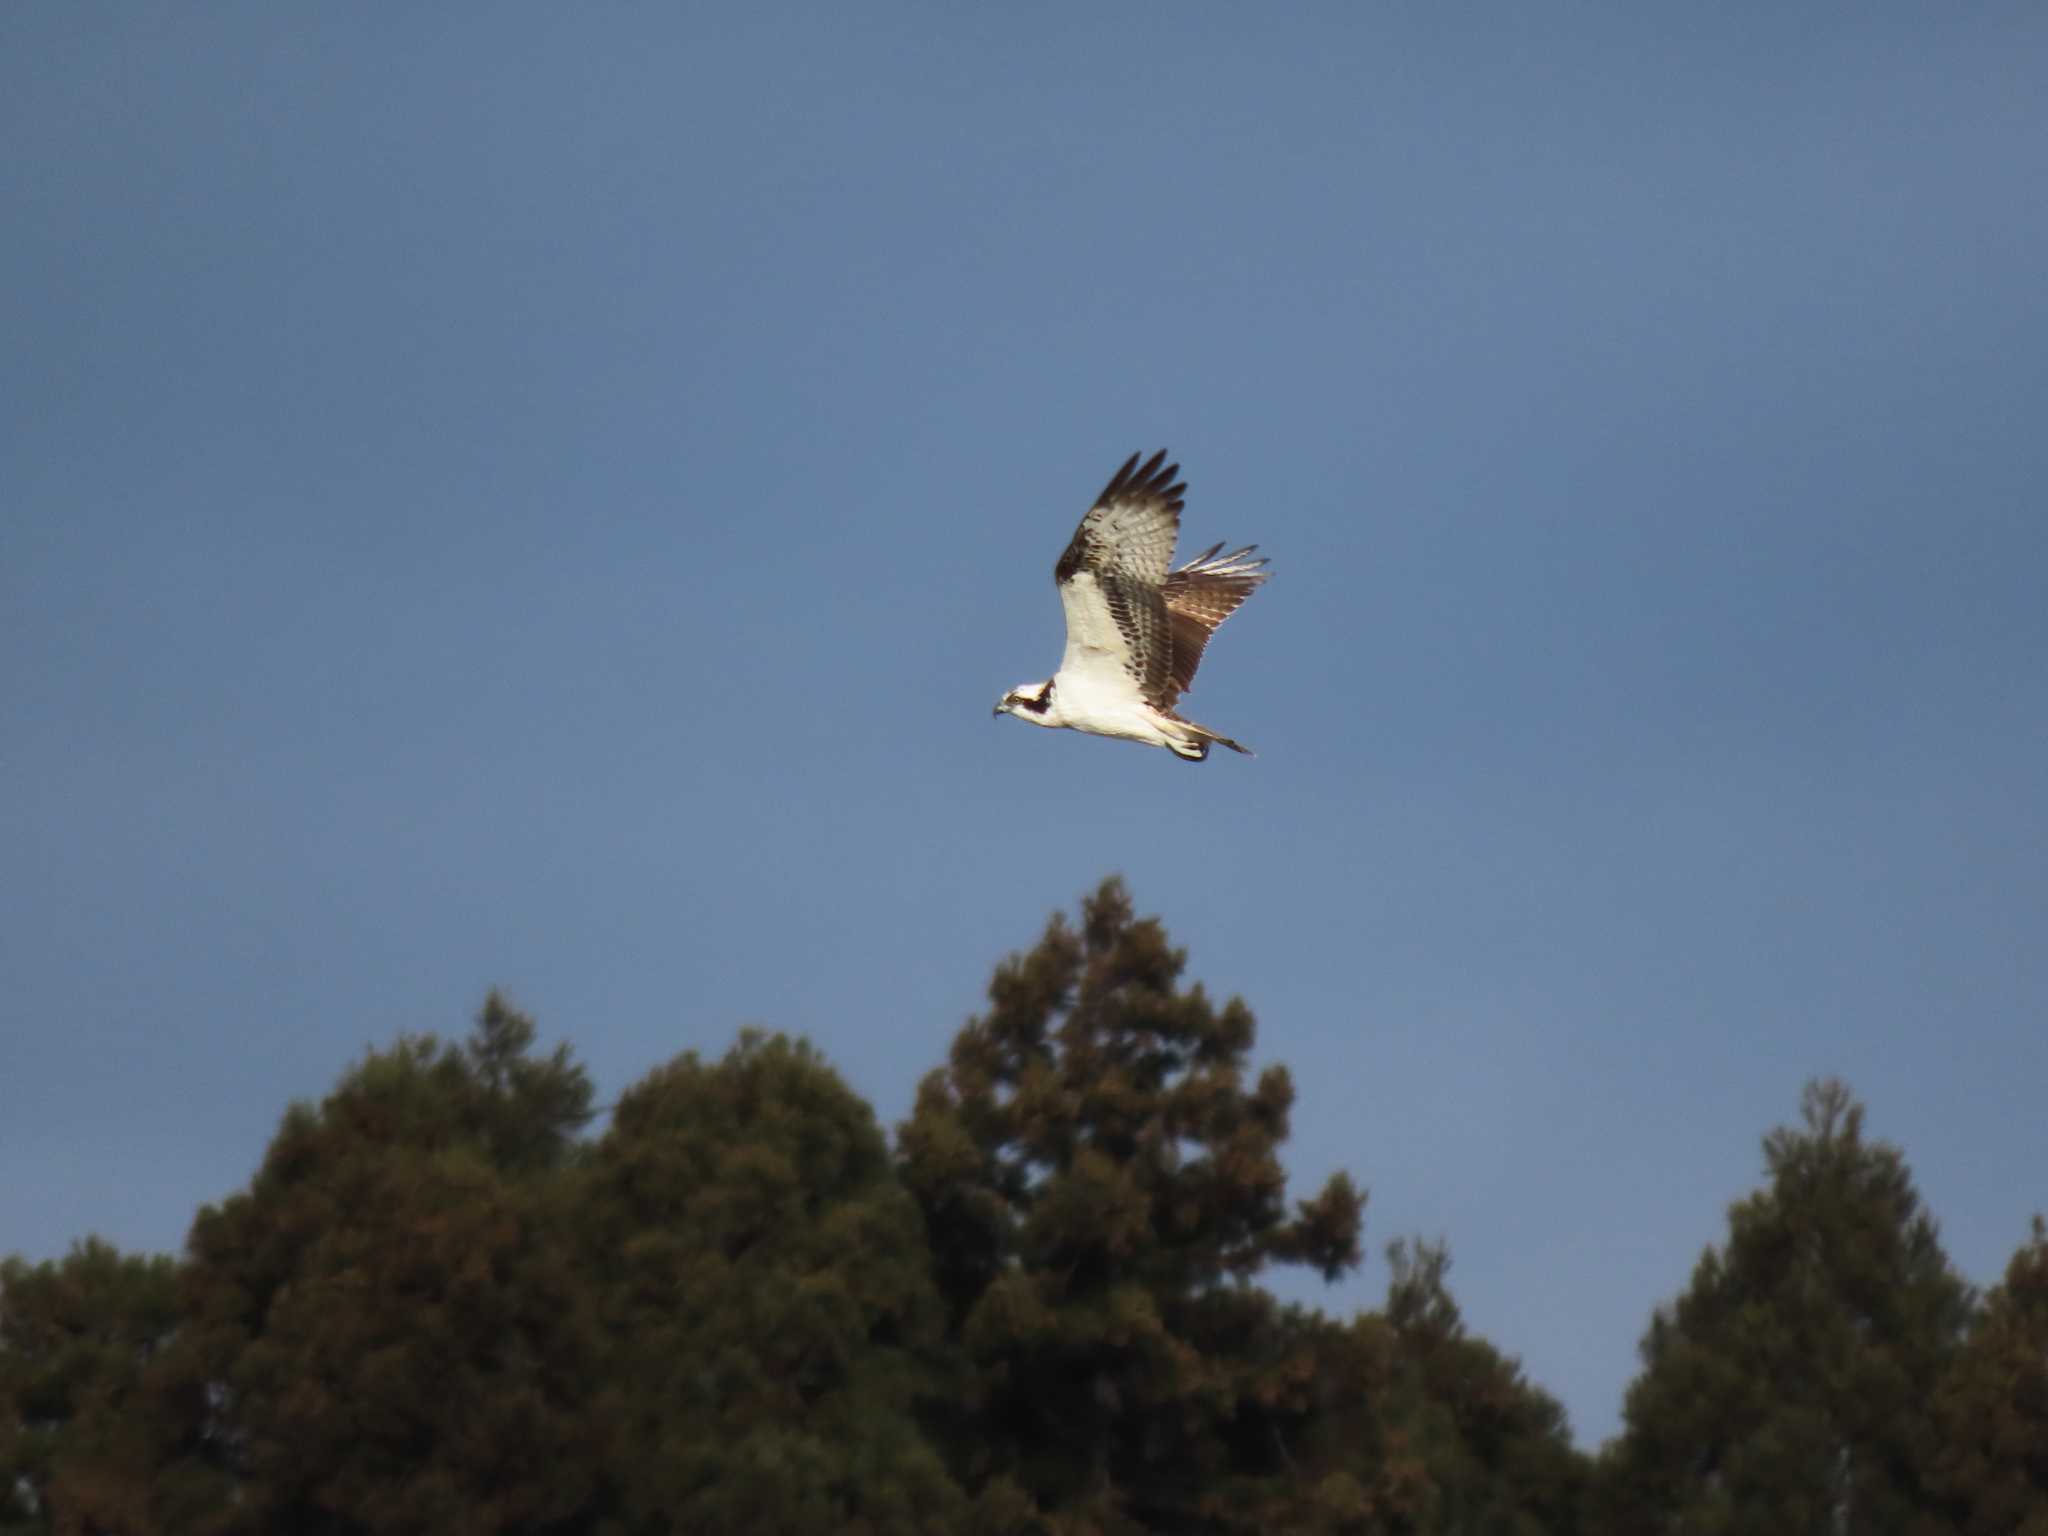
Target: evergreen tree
{"x":75,"y":1338}
{"x":1102,"y":1186}
{"x":1993,"y":1406}
{"x":1496,"y":1448}
{"x":386,"y":1332}
{"x":769,"y":1304}
{"x":1355,"y":1465}
{"x":1790,"y":1388}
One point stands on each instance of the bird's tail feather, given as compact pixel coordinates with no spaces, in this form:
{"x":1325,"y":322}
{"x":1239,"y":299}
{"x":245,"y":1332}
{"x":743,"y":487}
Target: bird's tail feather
{"x":1196,"y":746}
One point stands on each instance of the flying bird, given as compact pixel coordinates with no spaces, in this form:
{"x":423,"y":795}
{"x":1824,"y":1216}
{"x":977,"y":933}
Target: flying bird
{"x":1135,"y":629}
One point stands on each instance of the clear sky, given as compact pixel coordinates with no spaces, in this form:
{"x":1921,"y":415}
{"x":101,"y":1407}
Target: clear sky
{"x":548,"y":496}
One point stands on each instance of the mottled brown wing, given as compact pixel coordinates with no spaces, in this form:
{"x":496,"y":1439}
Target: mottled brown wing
{"x":1199,"y":597}
{"x":1131,"y":529}
{"x":1115,"y":567}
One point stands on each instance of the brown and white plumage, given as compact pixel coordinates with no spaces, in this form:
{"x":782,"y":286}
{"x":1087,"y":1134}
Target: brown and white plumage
{"x":1136,"y":629}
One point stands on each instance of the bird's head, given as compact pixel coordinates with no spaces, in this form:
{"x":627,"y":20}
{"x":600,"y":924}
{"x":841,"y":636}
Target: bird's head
{"x":1028,"y":701}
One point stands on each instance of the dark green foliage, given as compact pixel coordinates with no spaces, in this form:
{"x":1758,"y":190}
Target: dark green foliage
{"x":524,"y":1112}
{"x":438,"y":1307}
{"x":1349,"y":1468}
{"x":386,"y":1332}
{"x":1791,"y":1387}
{"x":768,"y":1304}
{"x":1496,"y":1449}
{"x":75,"y":1338}
{"x":1993,"y":1407}
{"x":1101,"y":1184}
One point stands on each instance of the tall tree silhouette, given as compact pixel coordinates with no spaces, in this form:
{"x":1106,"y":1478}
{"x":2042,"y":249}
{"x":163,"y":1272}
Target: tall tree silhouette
{"x":1101,"y":1184}
{"x":1993,"y":1406}
{"x":767,"y":1303}
{"x":1497,"y":1448}
{"x":386,"y":1332}
{"x":1791,"y":1387}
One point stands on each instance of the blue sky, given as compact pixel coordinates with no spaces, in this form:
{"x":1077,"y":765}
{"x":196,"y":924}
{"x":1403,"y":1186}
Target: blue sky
{"x":548,"y":497}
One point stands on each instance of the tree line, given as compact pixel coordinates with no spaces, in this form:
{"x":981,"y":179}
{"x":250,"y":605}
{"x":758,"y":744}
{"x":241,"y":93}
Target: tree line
{"x":441,"y":1305}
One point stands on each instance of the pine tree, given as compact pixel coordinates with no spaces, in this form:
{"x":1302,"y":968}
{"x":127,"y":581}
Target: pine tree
{"x":1496,"y":1448}
{"x":76,"y":1336}
{"x":1102,"y":1186}
{"x":768,"y":1304}
{"x":1790,"y":1387}
{"x":386,"y":1332}
{"x":1993,"y":1407}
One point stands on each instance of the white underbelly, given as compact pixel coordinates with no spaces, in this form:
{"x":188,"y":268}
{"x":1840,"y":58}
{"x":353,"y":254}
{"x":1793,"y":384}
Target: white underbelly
{"x":1111,"y":708}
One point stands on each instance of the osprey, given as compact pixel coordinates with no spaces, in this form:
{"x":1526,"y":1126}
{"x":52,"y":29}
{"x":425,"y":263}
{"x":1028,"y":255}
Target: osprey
{"x":1135,"y":630}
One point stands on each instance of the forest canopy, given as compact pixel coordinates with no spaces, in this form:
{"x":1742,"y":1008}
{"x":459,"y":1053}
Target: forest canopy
{"x":446,"y":1301}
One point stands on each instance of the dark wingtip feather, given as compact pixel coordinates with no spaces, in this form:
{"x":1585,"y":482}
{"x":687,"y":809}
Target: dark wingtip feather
{"x":1121,"y":480}
{"x":1154,"y":477}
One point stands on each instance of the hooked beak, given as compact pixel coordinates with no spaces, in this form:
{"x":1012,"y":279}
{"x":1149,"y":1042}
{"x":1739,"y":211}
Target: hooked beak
{"x":1002,"y":708}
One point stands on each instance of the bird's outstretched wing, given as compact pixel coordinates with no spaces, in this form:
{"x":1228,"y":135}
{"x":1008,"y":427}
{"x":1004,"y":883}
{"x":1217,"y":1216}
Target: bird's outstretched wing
{"x":1132,"y":527}
{"x":1199,"y":597}
{"x":1112,"y":580}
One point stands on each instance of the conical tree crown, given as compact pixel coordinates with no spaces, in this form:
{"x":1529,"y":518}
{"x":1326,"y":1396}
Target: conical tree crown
{"x":1496,"y":1447}
{"x":1101,"y":1178}
{"x":770,"y":1313}
{"x":1789,"y":1388}
{"x":385,"y":1331}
